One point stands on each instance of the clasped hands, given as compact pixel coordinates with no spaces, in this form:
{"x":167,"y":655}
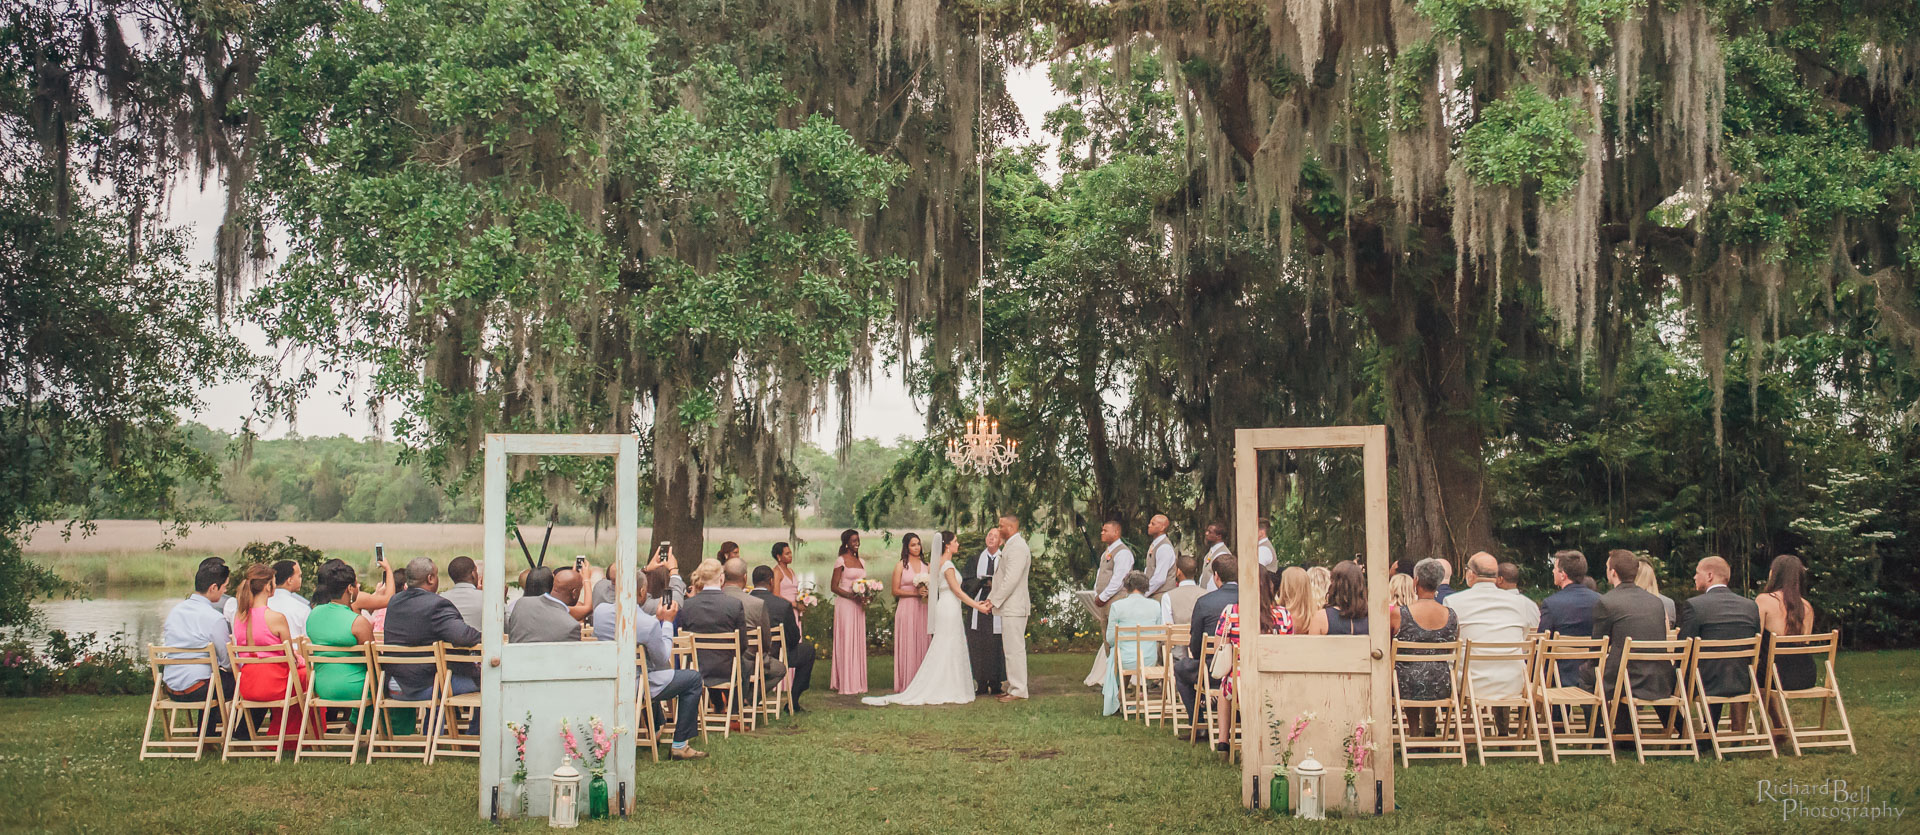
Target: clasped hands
{"x":984,"y":606}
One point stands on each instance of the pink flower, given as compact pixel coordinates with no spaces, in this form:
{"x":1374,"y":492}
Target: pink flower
{"x":568,"y":742}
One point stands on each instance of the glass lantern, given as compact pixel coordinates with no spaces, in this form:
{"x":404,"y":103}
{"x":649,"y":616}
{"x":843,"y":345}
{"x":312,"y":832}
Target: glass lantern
{"x":564,"y":813}
{"x":1308,"y":779}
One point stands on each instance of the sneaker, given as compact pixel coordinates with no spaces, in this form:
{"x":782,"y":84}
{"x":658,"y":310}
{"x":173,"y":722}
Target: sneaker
{"x":688,"y":753}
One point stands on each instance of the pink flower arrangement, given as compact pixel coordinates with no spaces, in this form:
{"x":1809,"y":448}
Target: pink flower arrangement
{"x":569,"y":745}
{"x":519,"y":731}
{"x":601,"y":745}
{"x":865,"y":588}
{"x":1357,"y":747}
{"x":1293,"y":735}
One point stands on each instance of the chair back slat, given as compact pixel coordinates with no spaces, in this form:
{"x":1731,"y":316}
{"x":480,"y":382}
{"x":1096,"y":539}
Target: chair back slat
{"x":1705,"y":649}
{"x":1826,"y":643}
{"x":1422,"y":651}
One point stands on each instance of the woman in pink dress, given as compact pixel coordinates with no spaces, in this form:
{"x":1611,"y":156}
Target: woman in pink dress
{"x":255,"y":625}
{"x":849,"y":676}
{"x":910,"y":635}
{"x":786,"y":581}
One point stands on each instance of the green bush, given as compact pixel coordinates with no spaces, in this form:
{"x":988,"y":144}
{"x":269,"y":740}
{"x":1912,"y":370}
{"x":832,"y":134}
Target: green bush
{"x":67,"y":664}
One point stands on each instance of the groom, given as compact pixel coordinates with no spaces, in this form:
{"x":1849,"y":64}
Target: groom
{"x":1008,"y":599}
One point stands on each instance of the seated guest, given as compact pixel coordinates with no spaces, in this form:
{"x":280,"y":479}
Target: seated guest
{"x":1400,"y":591}
{"x":1319,"y":581}
{"x":465,"y":594}
{"x":1488,"y":614}
{"x":710,"y":611}
{"x":255,"y":625}
{"x":1647,"y":579}
{"x":335,"y":624}
{"x":1719,"y":613}
{"x":1568,"y":613}
{"x":522,"y":583}
{"x":1293,"y":591}
{"x":286,"y":597}
{"x":664,"y":683}
{"x":374,"y":605}
{"x":1446,"y":575}
{"x":1176,"y":606}
{"x":570,"y":586}
{"x":1629,"y":611}
{"x":194,"y":623}
{"x":760,"y":656}
{"x":780,"y":611}
{"x":1404,"y":566}
{"x":1133,"y":609}
{"x":602,"y":620}
{"x":664,"y":587}
{"x":1509,"y":578}
{"x":1206,"y":619}
{"x":543,"y":615}
{"x":1424,"y":621}
{"x":1784,"y":611}
{"x":1274,"y":620}
{"x":1346,"y":609}
{"x":419,"y":617}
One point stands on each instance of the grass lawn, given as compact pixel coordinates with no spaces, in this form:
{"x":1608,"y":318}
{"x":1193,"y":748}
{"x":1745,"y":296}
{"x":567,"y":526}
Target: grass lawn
{"x":1049,"y":765}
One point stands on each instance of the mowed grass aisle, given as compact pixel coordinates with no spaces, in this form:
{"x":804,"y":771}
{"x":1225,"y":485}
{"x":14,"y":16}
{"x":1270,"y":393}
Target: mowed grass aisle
{"x":1049,"y":765}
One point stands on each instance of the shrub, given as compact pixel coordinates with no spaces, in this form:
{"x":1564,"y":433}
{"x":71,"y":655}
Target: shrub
{"x":67,"y":664}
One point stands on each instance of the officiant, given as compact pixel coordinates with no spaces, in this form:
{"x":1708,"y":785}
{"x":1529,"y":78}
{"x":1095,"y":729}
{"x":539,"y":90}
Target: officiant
{"x":983,"y":631}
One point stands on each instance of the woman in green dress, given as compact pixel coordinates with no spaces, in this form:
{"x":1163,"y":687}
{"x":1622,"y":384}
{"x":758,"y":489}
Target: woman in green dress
{"x":335,"y":624}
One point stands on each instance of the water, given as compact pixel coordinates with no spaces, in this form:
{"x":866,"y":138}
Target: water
{"x":136,"y":612}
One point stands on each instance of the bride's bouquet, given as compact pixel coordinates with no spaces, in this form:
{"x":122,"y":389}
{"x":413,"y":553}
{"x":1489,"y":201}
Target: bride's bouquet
{"x":865,"y":588}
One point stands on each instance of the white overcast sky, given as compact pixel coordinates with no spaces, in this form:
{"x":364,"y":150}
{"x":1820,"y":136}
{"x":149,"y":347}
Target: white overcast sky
{"x":885,"y":412}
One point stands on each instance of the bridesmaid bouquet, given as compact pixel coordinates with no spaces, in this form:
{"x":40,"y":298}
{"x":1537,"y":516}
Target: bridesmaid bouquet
{"x":807,"y":598}
{"x":865,"y":588}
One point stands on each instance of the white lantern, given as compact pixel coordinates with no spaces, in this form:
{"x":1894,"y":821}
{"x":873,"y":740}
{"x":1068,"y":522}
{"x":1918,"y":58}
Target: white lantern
{"x":1309,"y":798}
{"x":565,"y":811}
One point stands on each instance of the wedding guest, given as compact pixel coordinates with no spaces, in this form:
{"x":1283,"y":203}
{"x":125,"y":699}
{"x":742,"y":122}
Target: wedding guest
{"x":465,"y":594}
{"x":1319,"y":579}
{"x":1160,"y":556}
{"x":1177,"y":605}
{"x":1274,"y":620}
{"x":1346,"y":609}
{"x":911,"y":637}
{"x":761,"y":659}
{"x":1629,"y":611}
{"x":1509,"y":578}
{"x":1487,"y":614}
{"x":984,"y":647}
{"x":569,"y":585}
{"x":848,"y":674}
{"x":1424,"y":620}
{"x":1446,"y":575}
{"x":1135,"y":609}
{"x":800,"y":654}
{"x":709,"y":610}
{"x":418,"y":617}
{"x":604,"y":620}
{"x":1568,"y":613}
{"x":1719,"y":613}
{"x":1648,"y":579}
{"x":1269,"y":559}
{"x":665,"y":585}
{"x":194,"y":623}
{"x":258,"y":626}
{"x":1404,"y":566}
{"x":333,"y":623}
{"x":286,"y":597}
{"x":653,"y":634}
{"x":1293,"y":591}
{"x":542,"y":615}
{"x":373,"y":604}
{"x":1400,"y":591}
{"x":1784,"y":611}
{"x":1206,"y":621}
{"x":1215,"y":537}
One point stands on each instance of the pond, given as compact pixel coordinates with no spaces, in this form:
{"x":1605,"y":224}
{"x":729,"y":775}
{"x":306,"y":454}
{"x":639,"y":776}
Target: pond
{"x":138,"y":612}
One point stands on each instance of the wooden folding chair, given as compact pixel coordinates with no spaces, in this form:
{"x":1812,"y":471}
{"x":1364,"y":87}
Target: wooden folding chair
{"x":1820,"y":735}
{"x":203,"y":709}
{"x":1652,"y":734}
{"x":782,"y":694}
{"x":259,"y":742}
{"x":383,"y":742}
{"x":1757,"y":736}
{"x":453,"y":714}
{"x":730,"y":690}
{"x":753,"y":708}
{"x":684,"y":659}
{"x":646,"y":732}
{"x":1558,"y":699}
{"x":1145,"y":675}
{"x":1178,"y":635}
{"x":1448,"y":741}
{"x":319,"y":736}
{"x":1121,"y":674}
{"x":1524,"y":740}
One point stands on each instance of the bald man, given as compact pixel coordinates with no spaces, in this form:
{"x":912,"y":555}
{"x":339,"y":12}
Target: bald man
{"x":1717,"y":614}
{"x":1160,"y":558}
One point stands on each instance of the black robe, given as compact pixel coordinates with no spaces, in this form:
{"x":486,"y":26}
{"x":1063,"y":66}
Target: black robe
{"x":983,"y":646}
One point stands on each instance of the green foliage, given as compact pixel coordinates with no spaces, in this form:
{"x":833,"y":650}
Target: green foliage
{"x":66,"y":664}
{"x":309,"y":559}
{"x":1527,"y":138}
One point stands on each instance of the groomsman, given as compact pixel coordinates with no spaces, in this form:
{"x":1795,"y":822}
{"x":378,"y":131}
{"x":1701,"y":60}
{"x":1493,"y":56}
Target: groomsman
{"x":1160,"y":558}
{"x":1216,"y":537}
{"x":1269,"y":561}
{"x":1115,"y":562}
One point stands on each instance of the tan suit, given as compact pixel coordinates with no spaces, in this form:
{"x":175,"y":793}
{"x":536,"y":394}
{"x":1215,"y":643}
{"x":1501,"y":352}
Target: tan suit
{"x":1179,"y":604}
{"x":1207,"y":580}
{"x":1011,"y":603}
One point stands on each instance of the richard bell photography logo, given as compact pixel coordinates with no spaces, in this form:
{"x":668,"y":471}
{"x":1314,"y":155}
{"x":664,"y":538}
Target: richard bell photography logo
{"x":1829,"y":799}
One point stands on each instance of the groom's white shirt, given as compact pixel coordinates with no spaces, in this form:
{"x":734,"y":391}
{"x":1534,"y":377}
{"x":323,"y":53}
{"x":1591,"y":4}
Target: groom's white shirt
{"x":1163,"y":557}
{"x":1206,"y":567}
{"x":1122,"y":563}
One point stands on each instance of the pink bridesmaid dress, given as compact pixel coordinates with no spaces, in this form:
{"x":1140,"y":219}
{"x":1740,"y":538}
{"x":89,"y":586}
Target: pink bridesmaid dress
{"x":849,"y":676}
{"x":910,"y":635}
{"x":789,"y":588}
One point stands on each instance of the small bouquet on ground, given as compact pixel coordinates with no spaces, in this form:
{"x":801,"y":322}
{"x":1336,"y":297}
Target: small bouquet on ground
{"x":600,"y":744}
{"x":1357,"y":747}
{"x":865,"y":588}
{"x":808,"y":597}
{"x":1294,"y":730}
{"x":519,"y":731}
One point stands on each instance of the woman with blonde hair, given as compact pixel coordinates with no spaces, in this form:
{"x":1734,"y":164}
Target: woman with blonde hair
{"x":1646,"y":579}
{"x":1399,"y":592}
{"x":1322,"y":579}
{"x":1296,"y":597}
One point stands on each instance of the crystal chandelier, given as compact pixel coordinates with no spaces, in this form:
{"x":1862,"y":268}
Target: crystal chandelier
{"x":980,"y":450}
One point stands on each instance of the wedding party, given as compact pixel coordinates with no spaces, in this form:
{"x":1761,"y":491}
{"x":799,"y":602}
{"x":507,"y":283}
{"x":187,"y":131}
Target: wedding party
{"x":970,"y":416}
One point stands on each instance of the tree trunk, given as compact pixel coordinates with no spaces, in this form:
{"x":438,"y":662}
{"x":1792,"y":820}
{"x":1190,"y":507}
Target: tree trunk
{"x":680,"y":483}
{"x":1438,"y":445}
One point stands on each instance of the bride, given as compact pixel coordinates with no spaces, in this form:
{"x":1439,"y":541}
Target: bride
{"x":945,"y":676}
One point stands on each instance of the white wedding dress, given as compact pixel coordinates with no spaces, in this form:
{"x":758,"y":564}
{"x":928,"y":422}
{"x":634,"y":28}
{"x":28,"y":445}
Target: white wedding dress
{"x":946,"y":675}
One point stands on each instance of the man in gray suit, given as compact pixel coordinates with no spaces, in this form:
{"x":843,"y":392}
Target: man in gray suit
{"x":735,"y":586}
{"x":709,"y":610}
{"x":465,"y":594}
{"x":1629,"y":611}
{"x":542,"y":616}
{"x":1719,"y":614}
{"x":1177,"y":606}
{"x":1009,"y":600}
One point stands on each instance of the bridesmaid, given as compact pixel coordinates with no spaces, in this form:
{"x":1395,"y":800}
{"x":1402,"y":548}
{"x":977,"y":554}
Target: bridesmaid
{"x":786,"y":581}
{"x":910,"y":635}
{"x":849,"y":675}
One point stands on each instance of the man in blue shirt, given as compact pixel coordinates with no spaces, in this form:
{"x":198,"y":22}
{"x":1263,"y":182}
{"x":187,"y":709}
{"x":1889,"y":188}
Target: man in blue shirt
{"x":653,"y":634}
{"x":196,"y":622}
{"x":1569,"y":613}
